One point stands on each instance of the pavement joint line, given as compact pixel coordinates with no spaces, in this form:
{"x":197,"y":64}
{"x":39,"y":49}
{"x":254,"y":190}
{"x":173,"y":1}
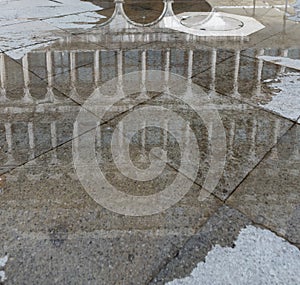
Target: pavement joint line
{"x":261,"y":225}
{"x":241,"y":100}
{"x":259,"y":162}
{"x":168,"y":260}
{"x":71,"y":139}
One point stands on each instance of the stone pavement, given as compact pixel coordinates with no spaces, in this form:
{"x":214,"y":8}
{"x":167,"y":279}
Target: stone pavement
{"x":139,"y":153}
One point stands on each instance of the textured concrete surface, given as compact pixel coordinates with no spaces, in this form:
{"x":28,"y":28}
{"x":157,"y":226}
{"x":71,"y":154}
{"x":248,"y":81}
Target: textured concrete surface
{"x":252,"y":260}
{"x":222,"y":228}
{"x":270,"y":194}
{"x":237,"y":98}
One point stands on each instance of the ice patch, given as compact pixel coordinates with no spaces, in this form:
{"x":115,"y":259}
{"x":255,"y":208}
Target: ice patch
{"x":259,"y":257}
{"x":286,"y":100}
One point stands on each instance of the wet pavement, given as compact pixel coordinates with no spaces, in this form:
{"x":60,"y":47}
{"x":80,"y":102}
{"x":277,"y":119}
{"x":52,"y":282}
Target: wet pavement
{"x":149,"y":143}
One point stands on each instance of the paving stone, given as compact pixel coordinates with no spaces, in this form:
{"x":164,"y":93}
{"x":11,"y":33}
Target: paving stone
{"x":270,"y":194}
{"x":50,"y":222}
{"x":222,"y":229}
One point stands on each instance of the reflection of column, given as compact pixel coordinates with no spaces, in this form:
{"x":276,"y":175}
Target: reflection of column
{"x":190,"y":64}
{"x":143,"y":94}
{"x":2,"y":78}
{"x":120,"y":74}
{"x":50,"y":95}
{"x":231,"y":138}
{"x":120,"y":63}
{"x":254,"y":8}
{"x":210,"y":132}
{"x":31,"y":140}
{"x":97,"y":67}
{"x":121,"y":135}
{"x":190,"y":73}
{"x":296,"y":151}
{"x":187,"y":135}
{"x":76,"y":141}
{"x":253,"y":139}
{"x":213,"y":69}
{"x":8,"y":133}
{"x":167,"y":71}
{"x":143,"y":157}
{"x":236,"y":74}
{"x":54,"y":142}
{"x":27,"y":97}
{"x":73,"y":75}
{"x":165,"y":133}
{"x":284,"y":53}
{"x":276,"y":133}
{"x":259,"y":72}
{"x":98,"y":135}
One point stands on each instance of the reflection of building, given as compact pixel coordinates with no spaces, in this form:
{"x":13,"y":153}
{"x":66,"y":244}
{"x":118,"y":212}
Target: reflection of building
{"x":92,"y":67}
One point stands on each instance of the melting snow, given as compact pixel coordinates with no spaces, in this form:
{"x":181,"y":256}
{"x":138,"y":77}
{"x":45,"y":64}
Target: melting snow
{"x":259,"y":257}
{"x":286,"y":100}
{"x":26,"y":23}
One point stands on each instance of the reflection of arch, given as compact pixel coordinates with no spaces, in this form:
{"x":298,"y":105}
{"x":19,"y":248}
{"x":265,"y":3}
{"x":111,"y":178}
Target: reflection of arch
{"x":120,"y":19}
{"x":200,"y":24}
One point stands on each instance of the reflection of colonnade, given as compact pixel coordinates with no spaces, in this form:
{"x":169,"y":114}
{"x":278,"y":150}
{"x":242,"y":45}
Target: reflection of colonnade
{"x":93,"y":67}
{"x":114,"y":63}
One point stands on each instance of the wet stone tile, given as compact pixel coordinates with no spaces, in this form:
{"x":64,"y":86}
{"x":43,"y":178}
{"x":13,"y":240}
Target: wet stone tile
{"x":34,"y":116}
{"x":270,"y":194}
{"x":183,"y":60}
{"x":222,"y":229}
{"x":60,"y":56}
{"x":230,"y":137}
{"x":51,"y":221}
{"x":26,"y":34}
{"x":254,"y":81}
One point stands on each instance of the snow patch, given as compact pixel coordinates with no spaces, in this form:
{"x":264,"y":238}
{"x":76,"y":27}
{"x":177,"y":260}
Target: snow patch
{"x":259,"y":257}
{"x":283,"y":61}
{"x":26,"y":23}
{"x":286,"y":98}
{"x":3,"y":261}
